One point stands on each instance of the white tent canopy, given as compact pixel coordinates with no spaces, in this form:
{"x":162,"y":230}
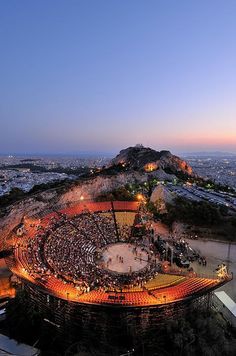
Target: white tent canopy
{"x":226,"y":301}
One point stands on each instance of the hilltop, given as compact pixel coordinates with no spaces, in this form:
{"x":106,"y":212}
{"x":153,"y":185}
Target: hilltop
{"x":134,"y":165}
{"x":147,"y":159}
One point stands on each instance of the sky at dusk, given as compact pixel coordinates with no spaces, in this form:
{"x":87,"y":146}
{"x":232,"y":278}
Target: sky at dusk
{"x":106,"y":74}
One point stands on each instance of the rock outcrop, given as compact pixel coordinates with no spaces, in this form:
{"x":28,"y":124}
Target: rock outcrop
{"x":161,"y":196}
{"x":143,"y":158}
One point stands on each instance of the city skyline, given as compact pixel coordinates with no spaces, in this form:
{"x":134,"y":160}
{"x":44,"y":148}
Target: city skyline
{"x":101,"y":76}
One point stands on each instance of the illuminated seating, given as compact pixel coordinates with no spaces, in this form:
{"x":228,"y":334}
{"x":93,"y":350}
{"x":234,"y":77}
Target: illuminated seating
{"x":128,"y":298}
{"x":98,"y":206}
{"x":163,"y":280}
{"x":185,"y":289}
{"x":45,"y":221}
{"x":71,"y":241}
{"x":125,"y":218}
{"x":126,"y":205}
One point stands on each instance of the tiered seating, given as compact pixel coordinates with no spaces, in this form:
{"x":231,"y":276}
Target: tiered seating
{"x":30,"y":230}
{"x":93,"y":297}
{"x":69,"y":240}
{"x":184,"y":289}
{"x":106,"y":229}
{"x":125,"y":218}
{"x":61,"y":288}
{"x":163,"y":280}
{"x":128,"y":298}
{"x":22,"y":267}
{"x":138,"y":298}
{"x":126,"y":205}
{"x":137,"y":288}
{"x":91,"y":206}
{"x":98,"y":206}
{"x":72,"y":211}
{"x":105,"y":214}
{"x":46,"y":220}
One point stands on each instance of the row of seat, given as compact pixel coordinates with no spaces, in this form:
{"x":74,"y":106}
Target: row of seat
{"x":125,"y":217}
{"x":100,"y":207}
{"x":163,"y":280}
{"x":185,"y":289}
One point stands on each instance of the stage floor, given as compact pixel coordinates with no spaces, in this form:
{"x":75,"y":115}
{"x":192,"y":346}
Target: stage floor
{"x":124,"y":258}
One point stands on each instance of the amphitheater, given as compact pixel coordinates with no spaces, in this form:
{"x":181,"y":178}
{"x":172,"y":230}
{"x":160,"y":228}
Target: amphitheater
{"x":94,"y":275}
{"x":88,"y":254}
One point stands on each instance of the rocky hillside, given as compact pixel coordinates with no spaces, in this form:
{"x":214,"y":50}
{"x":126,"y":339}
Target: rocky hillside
{"x":138,"y":162}
{"x":147,"y":159}
{"x":52,"y":199}
{"x":161,"y":196}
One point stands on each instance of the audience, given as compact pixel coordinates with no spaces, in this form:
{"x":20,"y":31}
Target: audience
{"x":70,"y":248}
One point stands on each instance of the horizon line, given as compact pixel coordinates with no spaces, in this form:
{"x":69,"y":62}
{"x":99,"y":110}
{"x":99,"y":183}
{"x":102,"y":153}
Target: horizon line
{"x":111,"y":153}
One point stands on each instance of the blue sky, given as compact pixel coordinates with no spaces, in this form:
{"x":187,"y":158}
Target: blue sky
{"x":103,"y":75}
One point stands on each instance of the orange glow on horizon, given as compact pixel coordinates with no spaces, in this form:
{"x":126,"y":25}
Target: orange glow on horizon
{"x":207,"y":140}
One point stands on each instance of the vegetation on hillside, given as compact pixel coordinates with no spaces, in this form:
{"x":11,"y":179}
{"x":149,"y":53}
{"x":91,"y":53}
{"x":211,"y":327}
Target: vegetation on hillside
{"x":192,"y":212}
{"x":117,"y":194}
{"x":180,"y":175}
{"x":210,"y":184}
{"x":14,"y":195}
{"x":200,"y":333}
{"x":17,"y":194}
{"x":41,"y":169}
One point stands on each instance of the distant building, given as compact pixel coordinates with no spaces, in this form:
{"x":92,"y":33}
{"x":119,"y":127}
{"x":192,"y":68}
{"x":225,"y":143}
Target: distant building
{"x":23,"y":170}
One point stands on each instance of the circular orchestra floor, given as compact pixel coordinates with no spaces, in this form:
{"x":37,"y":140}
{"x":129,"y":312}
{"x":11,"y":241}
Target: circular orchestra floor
{"x":124,"y":258}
